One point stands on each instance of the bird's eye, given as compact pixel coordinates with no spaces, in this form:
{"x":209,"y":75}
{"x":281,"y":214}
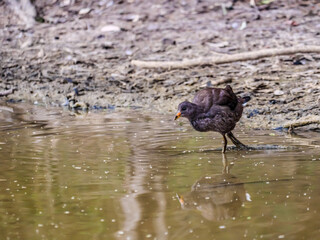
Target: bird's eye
{"x":183,"y":108}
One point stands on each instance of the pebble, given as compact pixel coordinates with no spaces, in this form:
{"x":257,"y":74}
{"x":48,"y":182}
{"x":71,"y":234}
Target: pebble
{"x":110,"y":28}
{"x":84,"y":11}
{"x":278,"y":92}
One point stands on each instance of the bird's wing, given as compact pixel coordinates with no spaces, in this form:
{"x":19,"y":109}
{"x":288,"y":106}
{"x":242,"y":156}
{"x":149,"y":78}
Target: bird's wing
{"x":204,"y":99}
{"x":208,"y":97}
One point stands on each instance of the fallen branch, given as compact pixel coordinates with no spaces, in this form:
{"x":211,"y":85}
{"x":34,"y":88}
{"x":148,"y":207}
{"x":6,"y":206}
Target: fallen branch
{"x":225,"y":58}
{"x":302,"y":122}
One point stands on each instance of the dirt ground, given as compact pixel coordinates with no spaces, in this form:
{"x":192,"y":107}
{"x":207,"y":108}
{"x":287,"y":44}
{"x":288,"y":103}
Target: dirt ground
{"x":86,"y":48}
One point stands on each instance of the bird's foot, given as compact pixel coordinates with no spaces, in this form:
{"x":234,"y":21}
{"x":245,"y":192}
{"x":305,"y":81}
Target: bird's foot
{"x":242,"y":147}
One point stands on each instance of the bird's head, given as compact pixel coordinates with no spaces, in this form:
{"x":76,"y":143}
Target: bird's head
{"x":186,"y":109}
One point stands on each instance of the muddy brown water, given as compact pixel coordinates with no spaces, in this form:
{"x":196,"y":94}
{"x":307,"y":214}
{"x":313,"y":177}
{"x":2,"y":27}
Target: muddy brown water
{"x":131,"y":175}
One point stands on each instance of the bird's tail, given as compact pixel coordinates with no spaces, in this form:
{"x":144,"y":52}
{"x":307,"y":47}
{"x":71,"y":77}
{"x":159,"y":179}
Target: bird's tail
{"x":245,"y":100}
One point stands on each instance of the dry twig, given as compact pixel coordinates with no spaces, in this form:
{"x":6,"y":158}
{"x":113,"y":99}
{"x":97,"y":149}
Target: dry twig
{"x":302,"y":122}
{"x":221,"y":59}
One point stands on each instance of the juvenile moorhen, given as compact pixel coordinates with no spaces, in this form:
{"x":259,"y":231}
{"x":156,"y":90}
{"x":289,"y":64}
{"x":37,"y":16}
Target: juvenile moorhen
{"x":215,"y":109}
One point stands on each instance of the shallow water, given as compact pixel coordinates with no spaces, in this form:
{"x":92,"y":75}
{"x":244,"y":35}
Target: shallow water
{"x":129,"y":175}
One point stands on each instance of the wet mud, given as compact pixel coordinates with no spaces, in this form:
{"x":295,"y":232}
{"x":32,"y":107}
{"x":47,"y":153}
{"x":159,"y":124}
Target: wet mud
{"x":85,"y":48}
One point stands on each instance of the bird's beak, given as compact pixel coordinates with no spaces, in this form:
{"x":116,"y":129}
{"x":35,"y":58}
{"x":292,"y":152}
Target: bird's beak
{"x":177,"y":116}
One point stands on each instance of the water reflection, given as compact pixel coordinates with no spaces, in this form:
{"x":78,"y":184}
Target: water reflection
{"x":143,"y":185}
{"x":217,"y":197}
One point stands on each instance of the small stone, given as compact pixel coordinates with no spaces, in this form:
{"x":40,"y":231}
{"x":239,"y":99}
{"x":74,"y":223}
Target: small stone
{"x":128,"y":52}
{"x":84,"y":11}
{"x":65,"y":3}
{"x":107,"y":45}
{"x":296,"y":91}
{"x":132,"y":18}
{"x":41,"y":53}
{"x":110,"y":28}
{"x":27,"y":43}
{"x":243,"y":25}
{"x":278,"y":92}
{"x":235,"y":25}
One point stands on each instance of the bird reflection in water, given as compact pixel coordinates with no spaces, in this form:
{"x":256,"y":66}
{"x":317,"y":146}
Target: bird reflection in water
{"x":217,"y":197}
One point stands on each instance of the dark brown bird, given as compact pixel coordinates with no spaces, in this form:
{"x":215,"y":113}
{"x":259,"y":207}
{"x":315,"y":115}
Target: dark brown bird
{"x":215,"y":109}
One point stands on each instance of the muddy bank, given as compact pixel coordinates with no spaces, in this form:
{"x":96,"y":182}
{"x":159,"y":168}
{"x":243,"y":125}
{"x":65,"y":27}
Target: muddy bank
{"x":86,"y":48}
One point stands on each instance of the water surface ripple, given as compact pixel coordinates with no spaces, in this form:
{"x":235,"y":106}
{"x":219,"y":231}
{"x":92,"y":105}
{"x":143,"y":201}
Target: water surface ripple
{"x":131,"y":175}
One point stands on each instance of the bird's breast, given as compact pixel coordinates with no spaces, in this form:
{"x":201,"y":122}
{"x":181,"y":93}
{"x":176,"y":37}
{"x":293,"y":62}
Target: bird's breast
{"x":203,"y":125}
{"x":219,"y":123}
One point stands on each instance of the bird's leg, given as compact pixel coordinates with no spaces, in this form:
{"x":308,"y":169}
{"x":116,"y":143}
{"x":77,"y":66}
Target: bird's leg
{"x":236,"y":141}
{"x":225,"y":142}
